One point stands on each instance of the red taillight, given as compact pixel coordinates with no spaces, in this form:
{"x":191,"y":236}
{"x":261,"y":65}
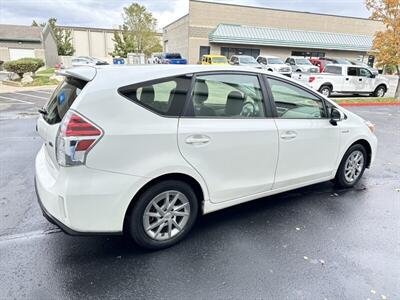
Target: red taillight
{"x":83,"y":145}
{"x":76,"y":137}
{"x":311,"y":79}
{"x":77,"y":126}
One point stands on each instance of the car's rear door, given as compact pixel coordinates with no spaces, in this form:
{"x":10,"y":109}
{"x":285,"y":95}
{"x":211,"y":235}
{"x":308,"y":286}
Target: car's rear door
{"x":308,"y":142}
{"x":227,"y":137}
{"x":352,"y":81}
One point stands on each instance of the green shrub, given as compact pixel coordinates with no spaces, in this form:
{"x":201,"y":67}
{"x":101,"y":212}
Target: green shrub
{"x":24,"y":65}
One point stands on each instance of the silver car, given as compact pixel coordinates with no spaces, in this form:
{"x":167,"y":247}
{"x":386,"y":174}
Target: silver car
{"x":87,"y":61}
{"x":274,"y":64}
{"x":244,"y":60}
{"x":301,"y":64}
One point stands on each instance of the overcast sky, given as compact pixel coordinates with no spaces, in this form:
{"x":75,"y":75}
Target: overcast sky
{"x":107,"y":13}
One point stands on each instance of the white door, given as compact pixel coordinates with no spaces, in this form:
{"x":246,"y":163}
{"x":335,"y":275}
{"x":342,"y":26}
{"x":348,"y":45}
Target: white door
{"x":368,"y":83}
{"x":226,"y":137}
{"x":308,"y":142}
{"x":21,"y":53}
{"x":352,"y":82}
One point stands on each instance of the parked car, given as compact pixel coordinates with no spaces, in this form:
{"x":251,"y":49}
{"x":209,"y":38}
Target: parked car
{"x":301,"y":64}
{"x":173,"y":58}
{"x":360,"y":63}
{"x":274,"y":64}
{"x":347,"y":79}
{"x":212,"y":59}
{"x":87,"y":61}
{"x":244,"y":60}
{"x":146,"y":150}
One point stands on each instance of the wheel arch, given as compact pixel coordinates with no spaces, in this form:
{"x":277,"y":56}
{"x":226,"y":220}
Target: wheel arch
{"x":197,"y":188}
{"x":382,"y":84}
{"x":329,"y":84}
{"x":367,"y":148}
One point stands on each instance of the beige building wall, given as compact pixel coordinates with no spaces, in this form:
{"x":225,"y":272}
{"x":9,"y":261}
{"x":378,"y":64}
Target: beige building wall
{"x":176,"y":37}
{"x":96,"y":42}
{"x":187,"y":34}
{"x":80,"y":41}
{"x":206,"y":14}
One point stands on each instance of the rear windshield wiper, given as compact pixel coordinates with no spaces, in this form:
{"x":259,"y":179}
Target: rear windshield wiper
{"x":43,"y":111}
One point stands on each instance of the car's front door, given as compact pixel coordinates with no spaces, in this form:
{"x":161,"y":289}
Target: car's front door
{"x":368,"y":82}
{"x":308,"y":142}
{"x":226,"y":136}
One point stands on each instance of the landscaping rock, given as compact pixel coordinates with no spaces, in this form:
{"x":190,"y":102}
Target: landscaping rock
{"x":56,"y":77}
{"x":26,"y":79}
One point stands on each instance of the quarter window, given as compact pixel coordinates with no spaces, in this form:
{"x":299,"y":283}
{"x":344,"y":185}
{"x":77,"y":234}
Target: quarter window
{"x":226,"y":96}
{"x":166,"y":97}
{"x":295,"y":103}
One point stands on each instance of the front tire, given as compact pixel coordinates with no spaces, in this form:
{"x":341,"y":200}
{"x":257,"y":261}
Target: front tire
{"x":351,"y":167}
{"x":163,"y":215}
{"x":380,"y":91}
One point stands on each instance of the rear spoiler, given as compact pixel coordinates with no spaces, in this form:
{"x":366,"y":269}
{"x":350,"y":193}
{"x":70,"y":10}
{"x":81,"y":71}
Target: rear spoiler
{"x":84,"y":73}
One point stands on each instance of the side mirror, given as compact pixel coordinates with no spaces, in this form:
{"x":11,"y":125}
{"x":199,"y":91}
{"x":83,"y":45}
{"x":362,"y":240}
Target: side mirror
{"x":372,"y":76}
{"x":335,"y":116}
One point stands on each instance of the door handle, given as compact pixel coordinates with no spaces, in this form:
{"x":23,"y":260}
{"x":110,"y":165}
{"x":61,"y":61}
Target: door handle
{"x":289,"y":135}
{"x":347,"y":79}
{"x":197,"y":139}
{"x":359,"y":79}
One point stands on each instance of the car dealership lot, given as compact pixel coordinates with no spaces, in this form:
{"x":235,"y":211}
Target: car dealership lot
{"x":317,"y":242}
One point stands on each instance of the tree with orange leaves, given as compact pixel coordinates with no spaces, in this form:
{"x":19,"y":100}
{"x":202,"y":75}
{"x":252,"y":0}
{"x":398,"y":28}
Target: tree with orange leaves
{"x":387,"y":43}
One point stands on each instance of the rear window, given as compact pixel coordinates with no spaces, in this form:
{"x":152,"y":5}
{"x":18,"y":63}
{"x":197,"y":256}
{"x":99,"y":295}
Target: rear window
{"x":62,"y":99}
{"x":173,"y":56}
{"x":333,"y":70}
{"x":165,"y":96}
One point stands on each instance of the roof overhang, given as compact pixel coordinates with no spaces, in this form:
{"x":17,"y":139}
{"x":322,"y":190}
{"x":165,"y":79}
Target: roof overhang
{"x":265,"y":36}
{"x":22,"y":40}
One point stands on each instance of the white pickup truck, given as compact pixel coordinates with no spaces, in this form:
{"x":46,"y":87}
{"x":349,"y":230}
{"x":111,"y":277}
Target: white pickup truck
{"x":347,"y":79}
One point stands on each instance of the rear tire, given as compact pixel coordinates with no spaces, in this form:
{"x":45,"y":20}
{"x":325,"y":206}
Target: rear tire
{"x":325,"y":90}
{"x":380,"y":91}
{"x":351,"y":167}
{"x":155,"y":222}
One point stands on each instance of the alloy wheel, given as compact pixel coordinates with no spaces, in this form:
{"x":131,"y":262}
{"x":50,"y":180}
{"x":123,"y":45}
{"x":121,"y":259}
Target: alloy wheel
{"x":354,"y":166}
{"x":166,"y":215}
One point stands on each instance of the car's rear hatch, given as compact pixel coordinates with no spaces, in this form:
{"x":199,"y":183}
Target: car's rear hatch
{"x":59,"y":103}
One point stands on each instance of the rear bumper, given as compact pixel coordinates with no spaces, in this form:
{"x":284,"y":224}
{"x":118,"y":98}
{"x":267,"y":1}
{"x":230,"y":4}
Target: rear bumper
{"x":52,"y":219}
{"x":83,"y":201}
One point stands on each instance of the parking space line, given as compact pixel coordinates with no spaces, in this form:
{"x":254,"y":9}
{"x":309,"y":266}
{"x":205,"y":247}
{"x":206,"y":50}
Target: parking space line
{"x":28,"y":235}
{"x":44,"y":92}
{"x":29,"y":95}
{"x":13,"y":99}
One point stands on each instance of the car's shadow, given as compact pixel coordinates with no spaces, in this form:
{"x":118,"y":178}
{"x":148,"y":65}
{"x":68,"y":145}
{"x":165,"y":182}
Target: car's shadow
{"x":108,"y":261}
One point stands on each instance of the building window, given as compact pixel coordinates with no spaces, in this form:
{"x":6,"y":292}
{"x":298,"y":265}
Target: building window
{"x":308,"y":53}
{"x":228,"y":52}
{"x":204,"y":50}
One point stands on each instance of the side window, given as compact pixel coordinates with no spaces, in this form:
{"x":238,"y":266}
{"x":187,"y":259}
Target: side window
{"x":226,"y":96}
{"x":352,"y":71}
{"x":292,"y":62}
{"x":365,"y":73}
{"x":295,"y":103}
{"x":166,"y":96}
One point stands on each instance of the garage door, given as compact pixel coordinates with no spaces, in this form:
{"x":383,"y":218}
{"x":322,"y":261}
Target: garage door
{"x":21,"y":53}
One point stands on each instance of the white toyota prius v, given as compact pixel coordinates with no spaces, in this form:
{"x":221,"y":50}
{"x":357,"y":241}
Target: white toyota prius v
{"x":145,"y":150}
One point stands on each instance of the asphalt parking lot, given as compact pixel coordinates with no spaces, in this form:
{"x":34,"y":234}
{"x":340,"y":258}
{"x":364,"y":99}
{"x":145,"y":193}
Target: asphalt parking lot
{"x":316,"y":242}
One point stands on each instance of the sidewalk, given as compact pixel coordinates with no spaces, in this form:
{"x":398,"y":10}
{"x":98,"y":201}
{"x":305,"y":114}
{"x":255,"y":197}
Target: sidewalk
{"x":12,"y":89}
